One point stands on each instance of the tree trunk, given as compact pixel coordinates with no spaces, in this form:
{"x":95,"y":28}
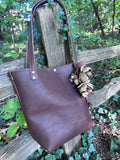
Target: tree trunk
{"x":113,"y":23}
{"x":97,"y":15}
{"x":1,"y":33}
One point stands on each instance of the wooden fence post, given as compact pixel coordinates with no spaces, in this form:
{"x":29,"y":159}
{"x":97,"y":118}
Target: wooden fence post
{"x":54,"y":48}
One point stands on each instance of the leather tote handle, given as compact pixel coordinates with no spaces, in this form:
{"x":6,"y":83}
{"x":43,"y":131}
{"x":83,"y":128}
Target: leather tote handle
{"x":30,"y":59}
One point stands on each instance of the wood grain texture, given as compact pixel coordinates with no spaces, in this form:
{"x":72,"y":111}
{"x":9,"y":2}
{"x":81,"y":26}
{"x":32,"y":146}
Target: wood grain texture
{"x":71,"y":145}
{"x":46,"y":20}
{"x":95,"y":55}
{"x":90,"y":56}
{"x":20,"y":148}
{"x":6,"y":87}
{"x":13,"y":65}
{"x":102,"y":95}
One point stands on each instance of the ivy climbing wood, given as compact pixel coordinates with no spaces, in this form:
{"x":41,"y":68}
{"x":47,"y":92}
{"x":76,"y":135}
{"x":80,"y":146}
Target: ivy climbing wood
{"x":52,"y":40}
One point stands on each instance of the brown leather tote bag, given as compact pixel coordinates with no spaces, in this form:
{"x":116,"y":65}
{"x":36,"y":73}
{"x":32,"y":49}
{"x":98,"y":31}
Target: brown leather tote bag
{"x":53,"y":108}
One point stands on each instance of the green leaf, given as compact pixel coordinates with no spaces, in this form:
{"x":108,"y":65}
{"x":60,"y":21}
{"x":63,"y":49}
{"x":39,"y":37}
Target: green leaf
{"x":77,"y":156}
{"x":40,"y":150}
{"x":83,"y":150}
{"x":112,"y":116}
{"x":118,"y":111}
{"x":96,"y":129}
{"x":58,"y":19}
{"x":117,"y":141}
{"x":90,"y":140}
{"x":106,"y":111}
{"x":97,"y":115}
{"x":71,"y":21}
{"x":51,"y":2}
{"x":50,"y":157}
{"x":3,"y":5}
{"x":86,"y":156}
{"x":92,"y":148}
{"x":59,"y":152}
{"x":13,"y":51}
{"x":66,"y":27}
{"x":20,"y":50}
{"x":20,"y":46}
{"x":17,"y":5}
{"x":116,"y":97}
{"x":71,"y":158}
{"x":100,"y":110}
{"x":64,"y":38}
{"x":12,"y":130}
{"x":13,"y":105}
{"x":84,"y":138}
{"x":3,"y":25}
{"x":104,"y":120}
{"x":60,"y":15}
{"x":6,"y":113}
{"x":74,"y":36}
{"x":61,"y":12}
{"x":21,"y":119}
{"x":98,"y":157}
{"x":112,"y":146}
{"x":9,"y":54}
{"x":91,"y":134}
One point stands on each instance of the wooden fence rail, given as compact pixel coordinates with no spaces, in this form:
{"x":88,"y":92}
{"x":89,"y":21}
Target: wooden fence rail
{"x":90,"y":56}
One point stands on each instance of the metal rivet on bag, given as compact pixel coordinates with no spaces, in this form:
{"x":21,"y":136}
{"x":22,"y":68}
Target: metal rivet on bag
{"x":34,"y":77}
{"x":55,"y":70}
{"x":33,"y":72}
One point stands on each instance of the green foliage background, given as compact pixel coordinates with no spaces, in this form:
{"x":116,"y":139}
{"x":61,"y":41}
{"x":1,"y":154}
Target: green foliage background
{"x":15,"y":15}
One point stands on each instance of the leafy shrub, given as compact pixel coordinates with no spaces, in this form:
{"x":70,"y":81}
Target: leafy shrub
{"x":10,"y":111}
{"x":87,"y":150}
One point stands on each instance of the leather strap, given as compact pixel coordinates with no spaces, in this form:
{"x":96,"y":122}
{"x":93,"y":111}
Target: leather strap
{"x":30,"y":59}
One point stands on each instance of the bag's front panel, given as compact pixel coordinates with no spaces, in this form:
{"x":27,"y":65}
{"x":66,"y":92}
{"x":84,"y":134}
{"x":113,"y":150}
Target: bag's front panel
{"x":54,"y":110}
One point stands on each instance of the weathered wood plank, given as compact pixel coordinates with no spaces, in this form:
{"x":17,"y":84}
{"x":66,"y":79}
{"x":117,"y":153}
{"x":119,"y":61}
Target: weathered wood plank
{"x":71,"y":145}
{"x":95,"y":55}
{"x":46,"y":20}
{"x":102,"y":95}
{"x":24,"y":145}
{"x":6,"y":88}
{"x":20,"y":148}
{"x":89,"y":56}
{"x":13,"y":65}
